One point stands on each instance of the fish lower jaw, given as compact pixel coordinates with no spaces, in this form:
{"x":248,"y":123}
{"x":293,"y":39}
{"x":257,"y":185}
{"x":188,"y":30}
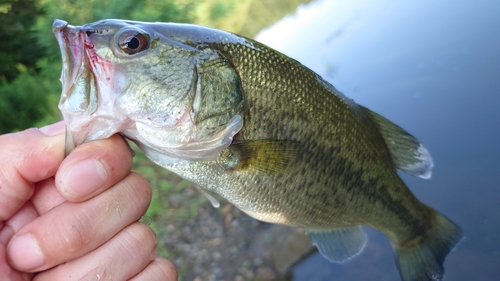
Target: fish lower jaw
{"x":90,"y":128}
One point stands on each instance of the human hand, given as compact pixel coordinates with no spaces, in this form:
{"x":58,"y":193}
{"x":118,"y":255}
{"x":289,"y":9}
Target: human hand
{"x":73,"y":218}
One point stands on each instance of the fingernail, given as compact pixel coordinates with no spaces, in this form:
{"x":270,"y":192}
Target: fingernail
{"x":25,"y":253}
{"x":53,"y":129}
{"x":83,"y":178}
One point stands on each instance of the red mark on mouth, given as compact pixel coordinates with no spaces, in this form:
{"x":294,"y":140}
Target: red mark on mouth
{"x":102,"y":72}
{"x":88,"y":44}
{"x":89,"y":48}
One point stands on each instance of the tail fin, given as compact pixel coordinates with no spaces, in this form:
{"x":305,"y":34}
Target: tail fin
{"x":424,"y":261}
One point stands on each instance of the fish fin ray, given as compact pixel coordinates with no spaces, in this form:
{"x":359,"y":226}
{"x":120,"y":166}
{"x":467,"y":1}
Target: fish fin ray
{"x":408,"y":154}
{"x":338,"y":245}
{"x":215,"y":203}
{"x":424,"y":261}
{"x":265,"y":156}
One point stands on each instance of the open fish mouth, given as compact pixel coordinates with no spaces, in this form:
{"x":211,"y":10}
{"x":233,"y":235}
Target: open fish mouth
{"x":79,"y":89}
{"x":83,"y":76}
{"x":78,"y":96}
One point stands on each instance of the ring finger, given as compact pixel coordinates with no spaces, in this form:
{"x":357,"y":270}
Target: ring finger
{"x":122,"y":257}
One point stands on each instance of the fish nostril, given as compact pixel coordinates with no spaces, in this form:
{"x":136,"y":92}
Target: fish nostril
{"x":90,"y":32}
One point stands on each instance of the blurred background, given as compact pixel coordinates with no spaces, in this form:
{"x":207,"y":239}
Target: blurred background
{"x":432,"y":67}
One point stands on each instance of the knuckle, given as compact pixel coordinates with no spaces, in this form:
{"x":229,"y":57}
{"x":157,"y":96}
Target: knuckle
{"x":141,"y":190}
{"x":107,"y":150}
{"x":159,"y":269}
{"x":76,"y":233}
{"x":167,"y":270}
{"x":141,"y":238}
{"x":14,"y":191}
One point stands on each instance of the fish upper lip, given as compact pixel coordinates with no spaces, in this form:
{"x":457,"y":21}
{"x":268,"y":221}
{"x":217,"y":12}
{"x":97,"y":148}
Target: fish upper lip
{"x":75,"y":99}
{"x":58,"y":24}
{"x":72,"y":52}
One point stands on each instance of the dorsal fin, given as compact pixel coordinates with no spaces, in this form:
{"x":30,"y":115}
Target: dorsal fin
{"x":408,"y":154}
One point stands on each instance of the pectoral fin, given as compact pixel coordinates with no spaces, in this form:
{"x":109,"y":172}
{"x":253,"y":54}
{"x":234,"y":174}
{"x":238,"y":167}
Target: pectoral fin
{"x":338,"y":245}
{"x":408,"y":154}
{"x":265,"y":156}
{"x":215,"y":203}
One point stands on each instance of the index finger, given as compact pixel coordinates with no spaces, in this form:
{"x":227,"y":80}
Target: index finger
{"x":27,"y":157}
{"x":93,"y":167}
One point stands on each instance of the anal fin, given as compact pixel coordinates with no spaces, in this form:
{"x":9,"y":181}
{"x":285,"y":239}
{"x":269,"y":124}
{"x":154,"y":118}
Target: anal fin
{"x":338,"y":245}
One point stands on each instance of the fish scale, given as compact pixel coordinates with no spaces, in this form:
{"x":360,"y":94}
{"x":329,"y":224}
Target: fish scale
{"x":313,"y":108}
{"x":255,"y":126}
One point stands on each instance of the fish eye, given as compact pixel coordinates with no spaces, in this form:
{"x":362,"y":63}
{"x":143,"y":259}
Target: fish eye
{"x":132,"y":42}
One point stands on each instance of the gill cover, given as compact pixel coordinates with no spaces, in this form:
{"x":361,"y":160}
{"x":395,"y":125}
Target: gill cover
{"x":156,"y":83}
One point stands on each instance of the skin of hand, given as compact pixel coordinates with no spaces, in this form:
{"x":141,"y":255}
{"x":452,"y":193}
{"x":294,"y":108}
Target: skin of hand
{"x":74,"y":218}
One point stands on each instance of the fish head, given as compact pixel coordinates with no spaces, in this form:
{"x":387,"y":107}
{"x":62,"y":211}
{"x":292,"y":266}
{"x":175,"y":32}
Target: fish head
{"x":140,"y":79}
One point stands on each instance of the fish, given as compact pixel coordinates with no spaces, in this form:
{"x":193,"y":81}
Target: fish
{"x":266,"y":133}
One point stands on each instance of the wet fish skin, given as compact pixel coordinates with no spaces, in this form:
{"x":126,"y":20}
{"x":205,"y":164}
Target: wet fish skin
{"x":255,"y":126}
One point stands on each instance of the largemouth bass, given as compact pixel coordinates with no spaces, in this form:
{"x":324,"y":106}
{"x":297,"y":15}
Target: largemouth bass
{"x":255,"y":126}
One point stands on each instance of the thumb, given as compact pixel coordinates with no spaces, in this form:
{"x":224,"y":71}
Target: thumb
{"x":27,"y":157}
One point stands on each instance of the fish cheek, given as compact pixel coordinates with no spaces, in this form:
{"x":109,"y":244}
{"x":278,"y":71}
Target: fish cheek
{"x":219,"y":96}
{"x":157,"y":93}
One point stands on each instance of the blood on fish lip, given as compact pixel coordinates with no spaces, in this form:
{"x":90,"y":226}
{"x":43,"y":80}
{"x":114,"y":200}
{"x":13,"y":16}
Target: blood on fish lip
{"x":89,"y":47}
{"x":97,"y":64}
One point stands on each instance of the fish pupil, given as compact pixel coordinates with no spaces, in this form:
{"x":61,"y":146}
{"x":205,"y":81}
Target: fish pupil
{"x":133,"y":44}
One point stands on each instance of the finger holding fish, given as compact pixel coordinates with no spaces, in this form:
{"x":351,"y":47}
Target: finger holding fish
{"x":93,"y":168}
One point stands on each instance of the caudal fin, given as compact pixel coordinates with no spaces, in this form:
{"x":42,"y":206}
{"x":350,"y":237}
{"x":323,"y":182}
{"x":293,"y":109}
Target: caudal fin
{"x":424,"y":261}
